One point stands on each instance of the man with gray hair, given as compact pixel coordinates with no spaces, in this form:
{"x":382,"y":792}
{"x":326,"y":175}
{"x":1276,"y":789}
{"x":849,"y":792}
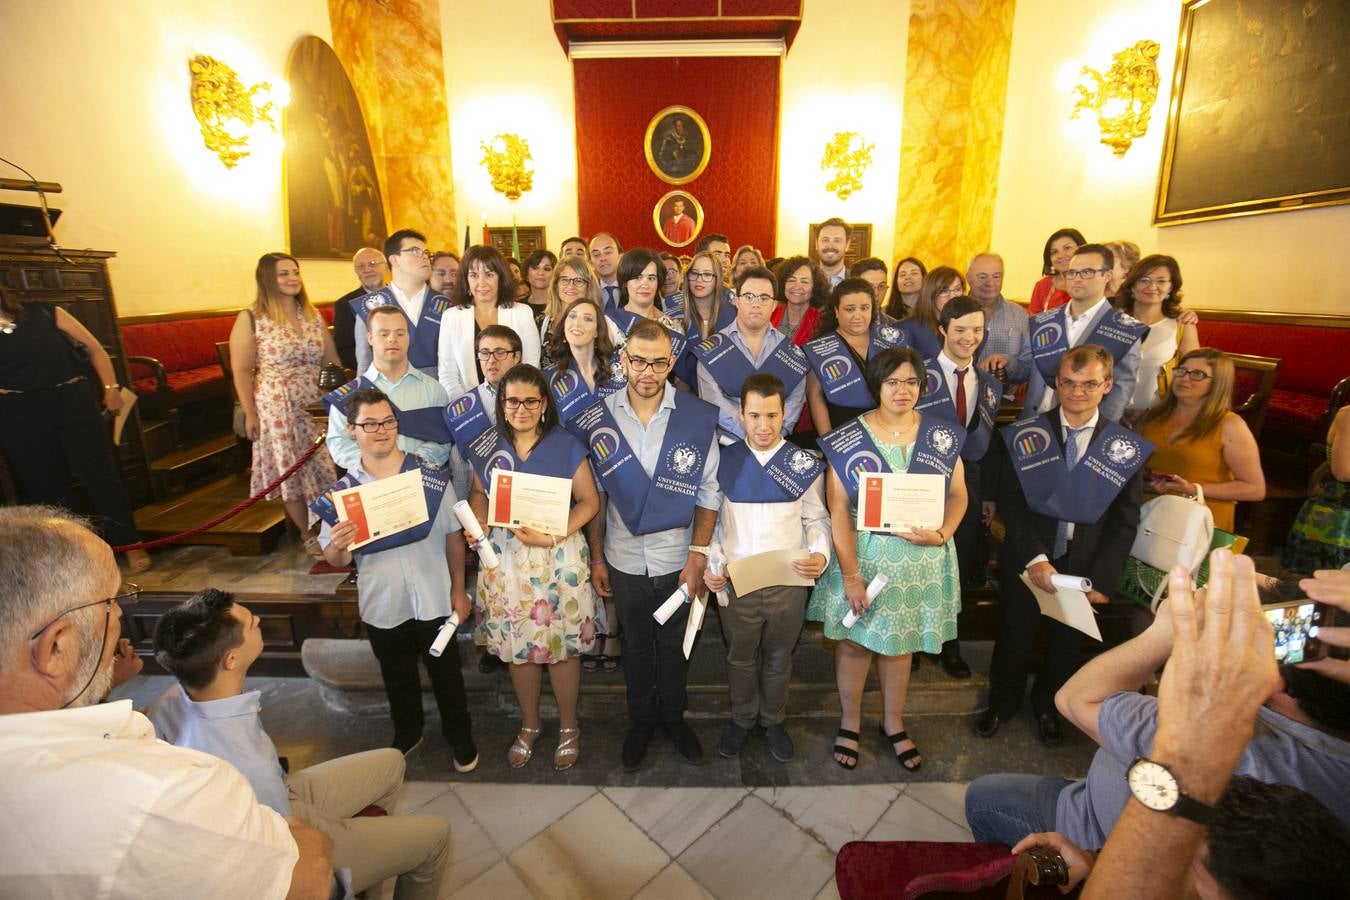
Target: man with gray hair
{"x":92,"y":803}
{"x":371,"y":270}
{"x":1005,"y":324}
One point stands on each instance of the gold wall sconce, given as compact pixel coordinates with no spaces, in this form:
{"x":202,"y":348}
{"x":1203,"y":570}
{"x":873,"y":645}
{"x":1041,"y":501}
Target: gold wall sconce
{"x":848,"y":156}
{"x":1123,"y":97}
{"x":508,"y":163}
{"x":226,"y":109}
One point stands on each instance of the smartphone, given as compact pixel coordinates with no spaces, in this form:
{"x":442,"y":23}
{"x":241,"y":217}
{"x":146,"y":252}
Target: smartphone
{"x":1295,"y":624}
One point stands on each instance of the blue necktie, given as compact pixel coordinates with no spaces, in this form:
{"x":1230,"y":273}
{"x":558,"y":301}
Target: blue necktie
{"x":1071,"y":459}
{"x":611,"y":296}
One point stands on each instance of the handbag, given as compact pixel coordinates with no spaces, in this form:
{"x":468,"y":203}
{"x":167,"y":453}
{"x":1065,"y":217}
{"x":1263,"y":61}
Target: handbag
{"x":1173,"y":531}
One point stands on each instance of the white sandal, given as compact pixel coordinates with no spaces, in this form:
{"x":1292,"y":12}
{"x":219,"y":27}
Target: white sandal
{"x":521,"y":752}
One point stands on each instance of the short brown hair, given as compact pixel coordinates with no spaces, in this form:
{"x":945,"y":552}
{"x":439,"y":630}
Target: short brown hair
{"x":649,"y":330}
{"x":1084,"y":355}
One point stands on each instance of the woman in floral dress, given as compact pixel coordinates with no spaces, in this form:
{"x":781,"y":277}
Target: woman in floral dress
{"x":541,"y":612}
{"x":277,"y":347}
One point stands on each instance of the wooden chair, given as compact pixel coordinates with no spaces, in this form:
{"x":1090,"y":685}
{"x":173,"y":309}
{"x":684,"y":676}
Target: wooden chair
{"x":1262,"y":370}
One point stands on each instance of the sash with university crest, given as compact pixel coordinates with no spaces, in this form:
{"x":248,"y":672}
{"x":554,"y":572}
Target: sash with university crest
{"x":729,"y":366}
{"x":434,"y":484}
{"x":852,"y":453}
{"x":1115,"y":330}
{"x":423,"y":424}
{"x":557,"y":455}
{"x":1080,"y":494}
{"x":666,"y":498}
{"x":937,"y":399}
{"x":837,"y":368}
{"x":572,"y":394}
{"x":784,"y":478}
{"x":625,"y":321}
{"x":470,"y":414}
{"x":424,"y":335}
{"x":921,"y":338}
{"x":686,"y":366}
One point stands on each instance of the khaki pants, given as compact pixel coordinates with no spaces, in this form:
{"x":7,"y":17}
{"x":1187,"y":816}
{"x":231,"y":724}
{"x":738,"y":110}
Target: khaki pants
{"x":415,"y":848}
{"x":761,"y":629}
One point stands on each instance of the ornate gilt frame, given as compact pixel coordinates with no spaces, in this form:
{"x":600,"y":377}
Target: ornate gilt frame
{"x":703,"y":130}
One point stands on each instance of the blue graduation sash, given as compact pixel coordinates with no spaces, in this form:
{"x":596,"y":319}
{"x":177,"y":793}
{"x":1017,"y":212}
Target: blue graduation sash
{"x":468,"y":416}
{"x":1080,"y":494}
{"x":424,"y":335}
{"x":837,"y":370}
{"x":625,"y":321}
{"x":784,"y":478}
{"x":673,"y":305}
{"x":852,"y":454}
{"x":434,"y":484}
{"x":686,"y":366}
{"x":937,"y":399}
{"x":1115,"y":330}
{"x":557,"y":454}
{"x":665,"y":499}
{"x":921,"y":338}
{"x":572,"y":394}
{"x":424,"y":424}
{"x":729,"y":366}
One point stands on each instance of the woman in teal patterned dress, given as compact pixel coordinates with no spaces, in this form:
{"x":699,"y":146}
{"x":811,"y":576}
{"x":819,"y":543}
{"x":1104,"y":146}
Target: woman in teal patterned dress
{"x":540,"y":610}
{"x":1320,"y":538}
{"x":917,"y":610}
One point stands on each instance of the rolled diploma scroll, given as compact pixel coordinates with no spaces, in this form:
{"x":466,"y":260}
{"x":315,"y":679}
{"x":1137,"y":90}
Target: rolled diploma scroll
{"x":695,"y":621}
{"x":667,"y":609}
{"x":717,"y":565}
{"x":876,"y":587}
{"x":469,"y":522}
{"x":1071,"y":582}
{"x":445,"y":635}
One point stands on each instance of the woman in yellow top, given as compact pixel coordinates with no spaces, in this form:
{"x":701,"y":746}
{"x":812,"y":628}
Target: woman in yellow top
{"x":1200,"y":442}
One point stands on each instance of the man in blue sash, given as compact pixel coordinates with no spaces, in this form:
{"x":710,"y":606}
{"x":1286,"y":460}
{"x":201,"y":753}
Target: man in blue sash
{"x":1069,"y":495}
{"x":747,"y":346}
{"x":407,"y":388}
{"x":655,"y":452}
{"x":959,"y":392}
{"x":773,"y":499}
{"x":406,"y":251}
{"x":1088,"y":318}
{"x":370,"y":271}
{"x":409,"y":582}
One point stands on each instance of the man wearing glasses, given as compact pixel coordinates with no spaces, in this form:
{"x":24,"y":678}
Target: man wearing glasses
{"x":1069,"y":495}
{"x":370,"y":271}
{"x":655,"y":451}
{"x":94,"y":803}
{"x":1088,"y":318}
{"x":750,"y":345}
{"x":406,"y":252}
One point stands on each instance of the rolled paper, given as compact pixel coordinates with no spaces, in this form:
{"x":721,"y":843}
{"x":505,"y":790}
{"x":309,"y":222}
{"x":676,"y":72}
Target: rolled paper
{"x":873,"y":591}
{"x":445,"y":635}
{"x":717,"y":565}
{"x":469,"y":522}
{"x":667,"y":609}
{"x":1071,"y":582}
{"x":695,"y":622}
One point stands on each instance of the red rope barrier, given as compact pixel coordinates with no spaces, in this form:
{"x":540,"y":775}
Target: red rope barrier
{"x":174,"y":538}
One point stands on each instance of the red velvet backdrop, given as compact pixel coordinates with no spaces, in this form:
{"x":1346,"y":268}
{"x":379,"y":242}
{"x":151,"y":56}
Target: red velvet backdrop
{"x":737,"y":98}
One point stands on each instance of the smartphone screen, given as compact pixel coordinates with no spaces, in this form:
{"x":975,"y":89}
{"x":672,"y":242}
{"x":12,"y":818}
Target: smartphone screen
{"x":1295,"y":625}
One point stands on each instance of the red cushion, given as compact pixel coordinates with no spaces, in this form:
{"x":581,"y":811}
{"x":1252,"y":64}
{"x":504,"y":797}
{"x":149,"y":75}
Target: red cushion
{"x":190,"y":378}
{"x":327,"y":313}
{"x":180,"y":345}
{"x":1299,"y":410}
{"x":1314,"y":358}
{"x":865,"y":869}
{"x":144,"y":386}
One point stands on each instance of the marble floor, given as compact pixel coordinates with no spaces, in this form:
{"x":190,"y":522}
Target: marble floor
{"x":187,"y":567}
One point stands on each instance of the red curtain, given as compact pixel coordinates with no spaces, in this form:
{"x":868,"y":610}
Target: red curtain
{"x":737,"y":98}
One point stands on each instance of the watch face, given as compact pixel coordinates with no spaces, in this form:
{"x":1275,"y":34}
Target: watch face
{"x":1153,"y":785}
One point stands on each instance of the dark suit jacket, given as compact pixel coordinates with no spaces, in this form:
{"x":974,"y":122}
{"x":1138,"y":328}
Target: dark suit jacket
{"x":344,"y":327}
{"x":1098,"y":551}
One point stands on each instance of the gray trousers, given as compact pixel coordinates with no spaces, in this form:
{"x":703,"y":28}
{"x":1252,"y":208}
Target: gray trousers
{"x":761,"y":629}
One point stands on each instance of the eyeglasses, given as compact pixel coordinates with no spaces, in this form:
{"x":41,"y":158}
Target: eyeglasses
{"x":390,"y":424}
{"x":1083,"y":273}
{"x":127,"y":593}
{"x":892,"y":384}
{"x":1153,"y":282}
{"x":415,"y":251}
{"x":1069,"y":386}
{"x":530,"y":403}
{"x":569,"y":281}
{"x":485,"y":355}
{"x":1192,"y":374}
{"x":748,"y":297}
{"x":641,"y":365}
{"x":696,"y":275}
{"x":949,"y":292}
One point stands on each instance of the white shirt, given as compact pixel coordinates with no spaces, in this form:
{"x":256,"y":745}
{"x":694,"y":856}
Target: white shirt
{"x":1076,"y":329}
{"x":1081,"y":440}
{"x":456,"y":359}
{"x":972,"y":382}
{"x":410,"y":305}
{"x":1159,"y":346}
{"x":95,"y":807}
{"x":745,"y":529}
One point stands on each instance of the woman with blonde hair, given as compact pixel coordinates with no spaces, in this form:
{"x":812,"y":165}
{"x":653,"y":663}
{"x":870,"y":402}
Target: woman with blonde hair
{"x":747,"y":257}
{"x":573,"y":279}
{"x":702,"y":311}
{"x":1126,"y":256}
{"x":1200,"y":442}
{"x":277,"y":347}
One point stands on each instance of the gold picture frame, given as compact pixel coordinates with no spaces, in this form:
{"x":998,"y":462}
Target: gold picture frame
{"x":673,"y":233}
{"x":676,"y":153}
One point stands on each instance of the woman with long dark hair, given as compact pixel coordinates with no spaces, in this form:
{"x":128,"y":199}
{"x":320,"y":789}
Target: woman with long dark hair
{"x":1151,"y":292}
{"x":1050,"y":292}
{"x":906,"y":283}
{"x":485,"y":294}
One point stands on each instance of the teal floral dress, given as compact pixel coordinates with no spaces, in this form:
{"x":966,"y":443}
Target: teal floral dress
{"x":1320,"y":538}
{"x":917,"y":610}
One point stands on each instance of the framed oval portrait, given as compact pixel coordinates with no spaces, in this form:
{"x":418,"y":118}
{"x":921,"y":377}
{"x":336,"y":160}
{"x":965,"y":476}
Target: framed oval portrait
{"x":677,"y":144}
{"x":678,"y":218}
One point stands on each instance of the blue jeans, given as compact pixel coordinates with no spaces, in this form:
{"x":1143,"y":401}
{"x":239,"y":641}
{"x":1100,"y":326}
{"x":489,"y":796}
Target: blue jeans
{"x":1003,"y":809}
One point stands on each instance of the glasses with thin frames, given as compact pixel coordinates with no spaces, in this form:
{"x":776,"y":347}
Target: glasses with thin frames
{"x":1192,"y":374}
{"x":415,"y":251}
{"x":748,"y":297}
{"x":127,"y":594}
{"x":1084,"y":273}
{"x":1153,"y":282}
{"x":570,"y":281}
{"x":1070,"y":386}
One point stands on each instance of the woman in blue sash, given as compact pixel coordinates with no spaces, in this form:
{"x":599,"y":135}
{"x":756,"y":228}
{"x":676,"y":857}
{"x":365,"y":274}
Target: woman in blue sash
{"x":573,"y":280}
{"x":582,"y":347}
{"x":702,"y":312}
{"x":847,"y":325}
{"x":541,"y":612}
{"x":917,"y":610}
{"x":940,"y":285}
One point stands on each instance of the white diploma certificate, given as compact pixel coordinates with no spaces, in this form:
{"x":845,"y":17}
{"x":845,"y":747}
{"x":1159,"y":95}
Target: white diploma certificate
{"x":1067,"y":604}
{"x":384,"y":507}
{"x":541,"y":502}
{"x":765,"y":570}
{"x":898,"y":501}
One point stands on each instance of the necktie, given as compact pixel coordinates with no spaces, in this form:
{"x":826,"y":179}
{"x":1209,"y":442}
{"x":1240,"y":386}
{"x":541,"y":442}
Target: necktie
{"x":961,"y":396}
{"x":1071,"y":459}
{"x":611,"y":295}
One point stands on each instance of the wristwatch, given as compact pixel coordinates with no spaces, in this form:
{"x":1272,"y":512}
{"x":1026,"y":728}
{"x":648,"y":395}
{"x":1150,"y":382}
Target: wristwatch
{"x":699,"y":548}
{"x":1154,"y":785}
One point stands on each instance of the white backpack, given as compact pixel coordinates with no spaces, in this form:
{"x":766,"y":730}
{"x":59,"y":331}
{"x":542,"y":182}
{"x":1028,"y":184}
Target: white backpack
{"x":1173,"y":530}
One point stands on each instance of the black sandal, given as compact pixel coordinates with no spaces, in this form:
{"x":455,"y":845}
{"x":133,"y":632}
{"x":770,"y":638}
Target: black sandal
{"x":840,"y":749}
{"x":590,"y":662}
{"x":902,"y":757}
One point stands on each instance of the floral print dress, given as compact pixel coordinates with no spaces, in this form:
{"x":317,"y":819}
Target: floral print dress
{"x":285,"y":381}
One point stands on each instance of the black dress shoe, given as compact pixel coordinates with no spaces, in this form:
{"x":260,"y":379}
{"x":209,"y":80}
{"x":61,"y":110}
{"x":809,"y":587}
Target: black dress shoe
{"x":635,"y":745}
{"x":780,"y":742}
{"x":487,"y":663}
{"x":988,"y":724}
{"x":686,"y":742}
{"x":914,"y":661}
{"x":733,"y":738}
{"x":951,"y":660}
{"x":1047,"y":728}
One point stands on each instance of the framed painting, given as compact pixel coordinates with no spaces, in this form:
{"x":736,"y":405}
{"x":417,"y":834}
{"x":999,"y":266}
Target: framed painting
{"x":678,"y":218}
{"x":1259,"y":119}
{"x":677,"y":145}
{"x":529,"y":237}
{"x":333,"y":202}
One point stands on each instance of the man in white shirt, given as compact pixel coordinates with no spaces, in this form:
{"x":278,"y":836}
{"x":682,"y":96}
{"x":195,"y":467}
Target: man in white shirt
{"x":93,"y":805}
{"x":410,"y":270}
{"x":773,"y":499}
{"x":208,"y":643}
{"x":831,"y":244}
{"x":605,"y":253}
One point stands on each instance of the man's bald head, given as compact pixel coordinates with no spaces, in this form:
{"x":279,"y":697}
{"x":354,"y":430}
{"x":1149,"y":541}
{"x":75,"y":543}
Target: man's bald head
{"x":985,"y":277}
{"x":370,"y":267}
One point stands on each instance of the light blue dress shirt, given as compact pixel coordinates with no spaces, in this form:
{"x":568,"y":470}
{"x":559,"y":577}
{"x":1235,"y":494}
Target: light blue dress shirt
{"x":415,"y":390}
{"x":1005,"y":331}
{"x":728,"y":409}
{"x":662,"y":552}
{"x":1122,"y":377}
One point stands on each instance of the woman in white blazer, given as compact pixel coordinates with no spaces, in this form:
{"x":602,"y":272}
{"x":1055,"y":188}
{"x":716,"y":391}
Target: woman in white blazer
{"x":484,"y":294}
